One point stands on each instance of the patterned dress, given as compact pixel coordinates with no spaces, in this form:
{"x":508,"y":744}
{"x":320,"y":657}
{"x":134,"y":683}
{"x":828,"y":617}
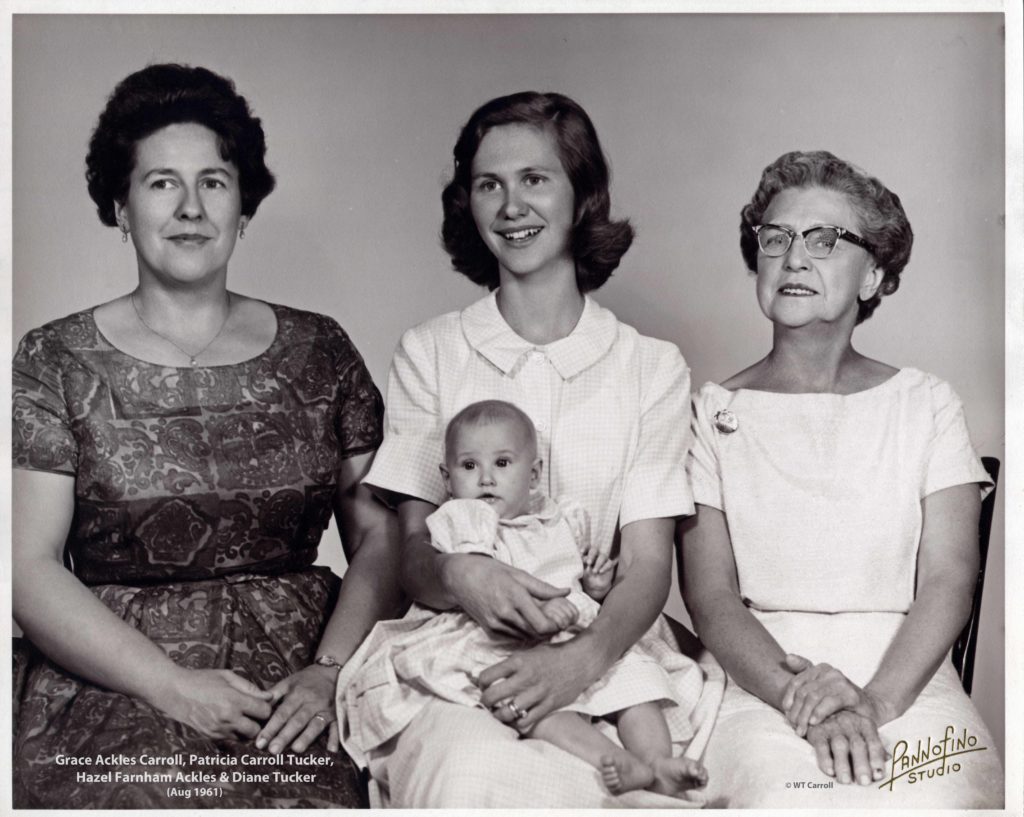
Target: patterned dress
{"x":201,"y":495}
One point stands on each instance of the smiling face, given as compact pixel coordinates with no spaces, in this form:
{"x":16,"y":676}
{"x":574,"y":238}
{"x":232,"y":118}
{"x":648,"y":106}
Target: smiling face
{"x":522,"y":201}
{"x":796,"y":290}
{"x":492,"y":460}
{"x":183,"y":207}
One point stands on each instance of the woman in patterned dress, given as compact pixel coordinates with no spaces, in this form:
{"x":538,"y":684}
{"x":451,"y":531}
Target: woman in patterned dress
{"x":527,"y":215}
{"x":178,"y":453}
{"x":834,"y":553}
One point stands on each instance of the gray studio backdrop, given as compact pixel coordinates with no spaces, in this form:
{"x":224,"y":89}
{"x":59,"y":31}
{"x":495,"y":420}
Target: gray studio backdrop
{"x":361,"y":113}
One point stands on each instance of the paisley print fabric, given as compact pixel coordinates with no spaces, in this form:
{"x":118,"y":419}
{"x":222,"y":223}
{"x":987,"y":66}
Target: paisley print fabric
{"x":201,"y":496}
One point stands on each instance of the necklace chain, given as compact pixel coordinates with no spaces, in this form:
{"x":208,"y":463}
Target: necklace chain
{"x":192,"y":356}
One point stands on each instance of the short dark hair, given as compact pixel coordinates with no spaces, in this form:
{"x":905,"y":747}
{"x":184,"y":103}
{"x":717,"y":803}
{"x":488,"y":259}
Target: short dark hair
{"x":489,"y":411}
{"x":170,"y":94}
{"x":883,"y":222}
{"x":597,"y":242}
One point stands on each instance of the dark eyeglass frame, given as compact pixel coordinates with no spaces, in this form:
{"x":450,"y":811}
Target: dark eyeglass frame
{"x":842,"y":232}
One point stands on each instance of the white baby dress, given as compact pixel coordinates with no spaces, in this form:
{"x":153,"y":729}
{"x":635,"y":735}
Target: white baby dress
{"x":404,"y":664}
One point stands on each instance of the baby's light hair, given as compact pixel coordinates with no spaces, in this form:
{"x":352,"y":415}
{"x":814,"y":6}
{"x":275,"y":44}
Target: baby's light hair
{"x":490,"y":411}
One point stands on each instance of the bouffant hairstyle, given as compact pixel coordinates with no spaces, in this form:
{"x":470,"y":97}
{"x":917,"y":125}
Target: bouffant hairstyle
{"x":883,"y":223}
{"x":597,"y":242}
{"x":485,"y":412}
{"x":170,"y":94}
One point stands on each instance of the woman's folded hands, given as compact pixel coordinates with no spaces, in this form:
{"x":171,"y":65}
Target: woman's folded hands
{"x":221,"y":704}
{"x":218,"y":703}
{"x":838,"y":718}
{"x":819,"y":690}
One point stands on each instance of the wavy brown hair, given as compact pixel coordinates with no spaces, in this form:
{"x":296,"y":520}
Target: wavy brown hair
{"x":598,"y":243}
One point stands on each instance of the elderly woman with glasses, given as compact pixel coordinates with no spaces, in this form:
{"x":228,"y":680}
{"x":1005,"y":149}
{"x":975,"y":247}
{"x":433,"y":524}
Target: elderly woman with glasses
{"x":832,"y":559}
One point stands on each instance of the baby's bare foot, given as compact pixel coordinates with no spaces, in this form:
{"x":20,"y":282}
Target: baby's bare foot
{"x":675,"y":775}
{"x":623,"y":772}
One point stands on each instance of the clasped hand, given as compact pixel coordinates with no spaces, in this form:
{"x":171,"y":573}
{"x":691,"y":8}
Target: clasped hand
{"x":838,"y":718}
{"x":819,"y":690}
{"x":220,"y":704}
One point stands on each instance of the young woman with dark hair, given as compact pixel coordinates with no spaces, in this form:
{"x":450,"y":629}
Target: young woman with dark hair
{"x":527,"y":215}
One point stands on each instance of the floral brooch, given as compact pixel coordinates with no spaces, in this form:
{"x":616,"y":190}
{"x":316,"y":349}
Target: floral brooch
{"x":726,"y":422}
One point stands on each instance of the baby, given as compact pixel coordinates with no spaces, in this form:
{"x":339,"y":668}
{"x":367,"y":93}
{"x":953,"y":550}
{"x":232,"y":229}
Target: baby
{"x":491,"y":470}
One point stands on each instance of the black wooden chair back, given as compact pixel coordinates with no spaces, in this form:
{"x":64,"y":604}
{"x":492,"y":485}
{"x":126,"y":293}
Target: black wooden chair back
{"x":967,"y":642}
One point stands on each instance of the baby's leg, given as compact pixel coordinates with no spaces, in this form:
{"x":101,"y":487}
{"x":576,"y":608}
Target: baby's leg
{"x":620,"y":770}
{"x":643,"y":731}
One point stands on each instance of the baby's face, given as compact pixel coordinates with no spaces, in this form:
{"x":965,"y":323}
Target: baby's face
{"x":493,"y":462}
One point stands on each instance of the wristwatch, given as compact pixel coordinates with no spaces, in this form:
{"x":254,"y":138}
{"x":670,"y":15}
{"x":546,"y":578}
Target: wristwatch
{"x":328,"y":661}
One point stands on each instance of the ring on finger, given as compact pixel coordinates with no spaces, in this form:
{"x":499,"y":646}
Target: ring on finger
{"x":515,"y":709}
{"x":322,"y":717}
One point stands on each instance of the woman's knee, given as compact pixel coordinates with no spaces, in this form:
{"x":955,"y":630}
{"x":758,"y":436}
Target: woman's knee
{"x":449,"y":756}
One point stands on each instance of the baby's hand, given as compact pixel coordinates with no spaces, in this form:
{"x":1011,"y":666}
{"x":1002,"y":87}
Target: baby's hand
{"x":597,"y":580}
{"x":594,"y":559}
{"x":561,"y":611}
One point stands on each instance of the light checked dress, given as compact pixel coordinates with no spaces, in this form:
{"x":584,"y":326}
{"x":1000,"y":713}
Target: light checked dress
{"x":611,"y":408}
{"x":822,"y":494}
{"x":404,"y":664}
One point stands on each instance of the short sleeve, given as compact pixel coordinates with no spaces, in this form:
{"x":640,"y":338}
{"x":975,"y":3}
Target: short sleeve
{"x":464,"y":526}
{"x":407,"y":463}
{"x":42,"y":438}
{"x":950,"y":458}
{"x":702,"y":465}
{"x":655,"y":485}
{"x":578,"y":519}
{"x":359,"y":421}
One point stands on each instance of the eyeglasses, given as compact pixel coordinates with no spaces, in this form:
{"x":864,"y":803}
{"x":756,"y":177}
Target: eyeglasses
{"x":819,"y":241}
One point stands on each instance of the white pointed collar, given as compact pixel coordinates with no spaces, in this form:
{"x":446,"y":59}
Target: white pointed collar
{"x":540,"y":510}
{"x":488,"y":333}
